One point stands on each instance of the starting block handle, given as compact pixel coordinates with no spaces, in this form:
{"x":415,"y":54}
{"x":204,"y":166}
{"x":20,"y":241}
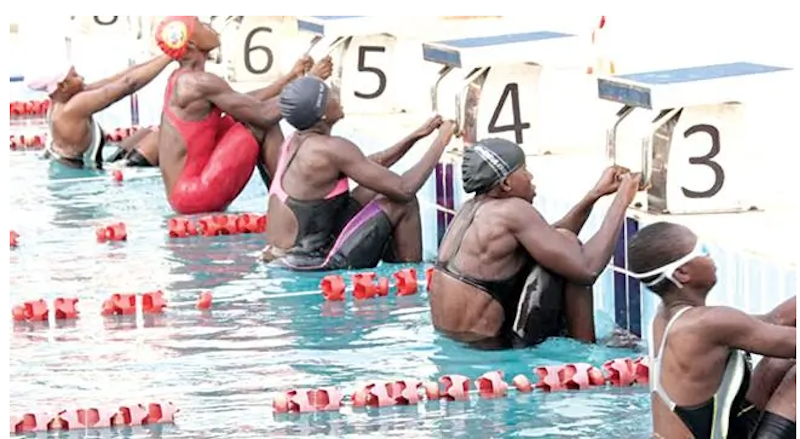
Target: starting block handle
{"x":435,"y":88}
{"x":476,"y":73}
{"x":647,"y":140}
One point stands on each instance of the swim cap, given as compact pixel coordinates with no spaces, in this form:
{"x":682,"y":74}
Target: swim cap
{"x":49,"y":83}
{"x":489,"y":162}
{"x":303,"y":102}
{"x":173,"y":34}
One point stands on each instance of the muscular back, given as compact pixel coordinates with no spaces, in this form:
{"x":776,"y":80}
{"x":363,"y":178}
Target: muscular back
{"x":489,"y":250}
{"x":188,"y":103}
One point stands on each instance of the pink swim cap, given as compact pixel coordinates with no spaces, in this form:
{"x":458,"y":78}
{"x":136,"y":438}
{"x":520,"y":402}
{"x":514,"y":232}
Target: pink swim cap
{"x":49,"y":83}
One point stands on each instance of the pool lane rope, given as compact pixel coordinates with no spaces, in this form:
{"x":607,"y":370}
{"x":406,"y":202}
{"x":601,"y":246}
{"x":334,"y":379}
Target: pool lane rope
{"x":72,"y":419}
{"x":620,"y":372}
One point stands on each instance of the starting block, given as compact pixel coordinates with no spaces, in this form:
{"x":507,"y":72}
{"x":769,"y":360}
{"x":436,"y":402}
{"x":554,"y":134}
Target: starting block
{"x":498,"y":81}
{"x":685,"y":130}
{"x":376,"y":63}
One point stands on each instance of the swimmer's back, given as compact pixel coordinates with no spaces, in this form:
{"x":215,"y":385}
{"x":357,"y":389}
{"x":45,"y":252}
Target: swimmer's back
{"x":684,"y":375}
{"x":185,"y":100}
{"x":312,"y":173}
{"x":488,"y":243}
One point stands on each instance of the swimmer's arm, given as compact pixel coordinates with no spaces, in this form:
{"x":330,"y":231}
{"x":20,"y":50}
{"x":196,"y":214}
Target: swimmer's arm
{"x":577,"y":216}
{"x":784,"y":314}
{"x":242,"y":107}
{"x":734,"y":328}
{"x":353,"y":163}
{"x":272,"y":90}
{"x":92,"y":101}
{"x":580,"y":264}
{"x":158,"y":60}
{"x":388,"y":157}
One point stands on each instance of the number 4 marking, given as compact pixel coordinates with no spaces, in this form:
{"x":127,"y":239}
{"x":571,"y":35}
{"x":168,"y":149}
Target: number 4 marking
{"x":511,"y":90}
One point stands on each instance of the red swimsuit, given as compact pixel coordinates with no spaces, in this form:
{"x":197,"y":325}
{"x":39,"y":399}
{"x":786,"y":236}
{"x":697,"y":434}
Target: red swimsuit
{"x":221,"y":155}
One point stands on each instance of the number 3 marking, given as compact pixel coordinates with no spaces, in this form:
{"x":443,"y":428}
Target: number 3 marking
{"x":100,"y":22}
{"x":362,"y":67}
{"x":707,"y":160}
{"x":248,"y":49}
{"x":512,"y":91}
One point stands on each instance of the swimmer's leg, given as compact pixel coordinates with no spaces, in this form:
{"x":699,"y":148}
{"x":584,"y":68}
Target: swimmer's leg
{"x":131,"y":141}
{"x":780,"y":414}
{"x":270,"y":142}
{"x":579,"y":306}
{"x":767,"y":376}
{"x":406,"y":241}
{"x":140,"y":149}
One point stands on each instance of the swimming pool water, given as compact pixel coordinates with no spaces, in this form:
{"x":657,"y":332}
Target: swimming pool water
{"x":221,"y":368}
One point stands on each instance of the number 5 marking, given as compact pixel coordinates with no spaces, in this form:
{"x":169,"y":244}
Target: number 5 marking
{"x":362,"y":67}
{"x":719,"y":173}
{"x":512,"y":91}
{"x":248,"y":49}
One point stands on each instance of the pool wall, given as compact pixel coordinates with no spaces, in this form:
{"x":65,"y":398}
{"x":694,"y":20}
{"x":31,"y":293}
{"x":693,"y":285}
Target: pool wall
{"x":752,"y":282}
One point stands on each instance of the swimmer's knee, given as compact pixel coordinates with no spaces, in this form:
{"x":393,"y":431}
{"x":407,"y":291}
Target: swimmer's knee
{"x":397,"y":210}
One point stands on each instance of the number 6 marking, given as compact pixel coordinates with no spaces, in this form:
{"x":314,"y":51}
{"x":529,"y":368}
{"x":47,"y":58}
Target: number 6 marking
{"x":248,"y":49}
{"x":719,"y":173}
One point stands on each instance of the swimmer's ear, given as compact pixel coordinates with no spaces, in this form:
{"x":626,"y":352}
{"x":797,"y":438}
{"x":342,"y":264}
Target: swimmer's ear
{"x":505,"y":185}
{"x":682,"y":275}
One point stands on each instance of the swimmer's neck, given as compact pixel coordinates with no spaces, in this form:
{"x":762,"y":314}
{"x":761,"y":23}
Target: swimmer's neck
{"x":192,"y":64}
{"x":320,"y":128}
{"x":677,"y":300}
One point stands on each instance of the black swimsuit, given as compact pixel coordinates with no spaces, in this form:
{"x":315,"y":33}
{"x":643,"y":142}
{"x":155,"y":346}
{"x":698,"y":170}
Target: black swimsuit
{"x":540,"y":316}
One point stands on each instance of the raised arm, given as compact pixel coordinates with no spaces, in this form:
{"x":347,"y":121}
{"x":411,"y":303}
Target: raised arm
{"x":103,"y":82}
{"x":352,"y":162}
{"x":555,"y":251}
{"x":304,"y":65}
{"x":388,"y":157}
{"x":732,"y":327}
{"x":784,"y":314}
{"x":242,"y":107}
{"x":94,"y":100}
{"x":575,"y":219}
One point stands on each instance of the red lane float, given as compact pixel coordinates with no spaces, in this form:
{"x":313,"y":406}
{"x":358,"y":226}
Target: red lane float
{"x":14,"y":239}
{"x":38,"y":140}
{"x":94,"y":417}
{"x":125,"y":304}
{"x":28,"y":108}
{"x":66,"y":309}
{"x":576,"y":376}
{"x":38,"y":311}
{"x":22,"y":142}
{"x":217,"y":224}
{"x":365,"y":286}
{"x":112,"y":232}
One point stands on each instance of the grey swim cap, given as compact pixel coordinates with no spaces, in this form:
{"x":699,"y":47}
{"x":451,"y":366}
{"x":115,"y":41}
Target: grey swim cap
{"x":303,"y":102}
{"x":489,"y":162}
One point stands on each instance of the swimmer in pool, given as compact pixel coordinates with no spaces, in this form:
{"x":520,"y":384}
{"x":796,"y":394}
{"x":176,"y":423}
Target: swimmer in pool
{"x":206,"y":158}
{"x":315,"y":221}
{"x":75,"y":138}
{"x":701,"y":377}
{"x":504,"y":277}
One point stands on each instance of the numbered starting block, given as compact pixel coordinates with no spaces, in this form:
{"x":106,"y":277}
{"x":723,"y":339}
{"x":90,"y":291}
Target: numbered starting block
{"x":375,"y":65}
{"x":685,"y":130}
{"x":497,"y":82}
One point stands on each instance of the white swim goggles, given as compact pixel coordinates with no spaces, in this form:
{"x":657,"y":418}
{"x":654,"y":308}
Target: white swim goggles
{"x":668,"y":271}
